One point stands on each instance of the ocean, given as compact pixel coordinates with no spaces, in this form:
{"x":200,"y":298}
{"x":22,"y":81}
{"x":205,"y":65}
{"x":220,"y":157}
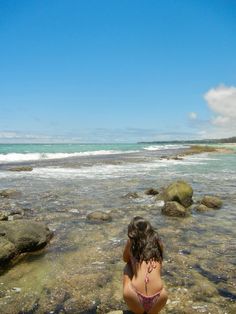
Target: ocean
{"x":82,"y":266}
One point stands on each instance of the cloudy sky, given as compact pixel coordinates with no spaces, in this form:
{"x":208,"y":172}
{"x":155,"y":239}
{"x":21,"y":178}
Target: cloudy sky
{"x":117,"y":71}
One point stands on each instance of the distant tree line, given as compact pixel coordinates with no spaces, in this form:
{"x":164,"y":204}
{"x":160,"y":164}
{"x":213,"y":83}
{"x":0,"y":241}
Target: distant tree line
{"x":206,"y":141}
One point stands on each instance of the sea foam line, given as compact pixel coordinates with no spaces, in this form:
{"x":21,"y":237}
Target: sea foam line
{"x":19,"y":157}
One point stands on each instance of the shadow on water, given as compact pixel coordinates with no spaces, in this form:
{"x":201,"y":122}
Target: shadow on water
{"x":227,"y":294}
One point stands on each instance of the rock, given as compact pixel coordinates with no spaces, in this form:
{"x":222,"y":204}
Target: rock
{"x":151,"y":192}
{"x":21,"y":168}
{"x":10,"y":193}
{"x":212,"y":202}
{"x":177,"y":158}
{"x":180,"y":192}
{"x":99,"y":216}
{"x":131,"y":195}
{"x":16,"y":211}
{"x":174,"y":209}
{"x":3,"y":215}
{"x":201,"y":208}
{"x":7,"y":250}
{"x":203,"y":291}
{"x":15,"y":217}
{"x":26,"y":235}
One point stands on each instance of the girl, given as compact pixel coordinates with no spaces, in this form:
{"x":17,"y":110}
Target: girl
{"x":143,"y":289}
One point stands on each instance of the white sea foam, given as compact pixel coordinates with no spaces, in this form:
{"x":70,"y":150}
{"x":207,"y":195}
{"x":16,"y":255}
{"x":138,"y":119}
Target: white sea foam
{"x":20,"y":157}
{"x":165,"y":147}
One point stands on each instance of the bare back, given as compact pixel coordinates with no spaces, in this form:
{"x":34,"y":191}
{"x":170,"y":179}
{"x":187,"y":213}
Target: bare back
{"x":147,"y":277}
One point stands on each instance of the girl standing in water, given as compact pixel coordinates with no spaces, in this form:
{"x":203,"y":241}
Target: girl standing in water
{"x":143,"y":289}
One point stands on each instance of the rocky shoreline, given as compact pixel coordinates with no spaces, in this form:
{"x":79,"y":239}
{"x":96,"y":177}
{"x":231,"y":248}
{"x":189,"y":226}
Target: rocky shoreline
{"x":83,"y":260}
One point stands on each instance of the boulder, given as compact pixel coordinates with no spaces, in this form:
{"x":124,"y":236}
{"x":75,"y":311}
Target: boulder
{"x":180,"y":192}
{"x":99,"y":216}
{"x":212,"y":202}
{"x":21,"y":168}
{"x":26,"y":235}
{"x":174,"y":209}
{"x":151,"y":192}
{"x":10,"y":193}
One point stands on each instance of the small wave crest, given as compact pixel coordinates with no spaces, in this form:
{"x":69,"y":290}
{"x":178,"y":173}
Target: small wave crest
{"x":20,"y":157}
{"x":165,"y":147}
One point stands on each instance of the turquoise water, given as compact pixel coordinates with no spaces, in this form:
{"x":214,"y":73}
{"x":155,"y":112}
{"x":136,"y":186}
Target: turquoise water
{"x":64,"y":148}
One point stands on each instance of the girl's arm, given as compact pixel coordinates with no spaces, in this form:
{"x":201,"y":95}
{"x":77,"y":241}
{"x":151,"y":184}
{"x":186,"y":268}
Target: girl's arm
{"x":126,"y":253}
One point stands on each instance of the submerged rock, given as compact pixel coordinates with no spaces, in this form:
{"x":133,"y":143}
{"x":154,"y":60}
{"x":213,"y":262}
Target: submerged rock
{"x":131,"y":195}
{"x":151,"y":192}
{"x":174,"y":209}
{"x":99,"y":216}
{"x":212,"y":202}
{"x":3,"y":215}
{"x":201,"y":208}
{"x":22,"y":236}
{"x":21,"y":168}
{"x":10,"y":193}
{"x":179,"y":191}
{"x":7,"y":250}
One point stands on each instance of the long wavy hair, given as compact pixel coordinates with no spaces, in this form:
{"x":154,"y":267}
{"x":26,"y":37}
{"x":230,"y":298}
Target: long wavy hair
{"x":145,"y":242}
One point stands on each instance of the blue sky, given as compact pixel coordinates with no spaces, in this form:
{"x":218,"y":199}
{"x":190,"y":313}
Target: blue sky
{"x":117,"y":70}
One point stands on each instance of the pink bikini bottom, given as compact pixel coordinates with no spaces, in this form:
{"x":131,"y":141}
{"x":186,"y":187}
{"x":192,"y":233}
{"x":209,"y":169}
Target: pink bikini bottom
{"x":147,"y":302}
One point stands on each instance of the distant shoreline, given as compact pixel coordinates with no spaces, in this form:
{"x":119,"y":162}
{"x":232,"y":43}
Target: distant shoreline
{"x":230,"y":140}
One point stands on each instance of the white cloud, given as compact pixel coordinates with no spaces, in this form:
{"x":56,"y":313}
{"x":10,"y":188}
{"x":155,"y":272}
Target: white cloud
{"x":192,"y":115}
{"x":222,"y":101}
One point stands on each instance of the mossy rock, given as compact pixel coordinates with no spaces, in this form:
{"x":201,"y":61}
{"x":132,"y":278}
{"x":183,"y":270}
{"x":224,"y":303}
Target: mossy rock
{"x":174,"y":209}
{"x":7,"y":250}
{"x":99,"y":216}
{"x":10,"y":193}
{"x":21,"y":168}
{"x":201,"y":208}
{"x":212,"y":201}
{"x":179,"y":191}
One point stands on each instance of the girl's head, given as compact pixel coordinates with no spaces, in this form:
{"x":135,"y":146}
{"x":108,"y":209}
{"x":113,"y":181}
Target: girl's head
{"x":145,"y":242}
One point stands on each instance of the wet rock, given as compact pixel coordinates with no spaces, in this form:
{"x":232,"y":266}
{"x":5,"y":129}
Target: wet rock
{"x":21,"y":168}
{"x":10,"y":193}
{"x":15,"y":217}
{"x":16,"y":211}
{"x":203,"y":290}
{"x":131,"y":195}
{"x":7,"y":250}
{"x":26,"y":235}
{"x":3,"y":215}
{"x":179,"y":191}
{"x":201,"y":208}
{"x":99,"y":216}
{"x":174,"y":209}
{"x":151,"y":192}
{"x":212,"y":202}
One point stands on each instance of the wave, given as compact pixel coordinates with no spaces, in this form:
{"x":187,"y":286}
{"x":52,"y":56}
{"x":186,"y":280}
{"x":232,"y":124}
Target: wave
{"x":165,"y":147}
{"x":21,"y":157}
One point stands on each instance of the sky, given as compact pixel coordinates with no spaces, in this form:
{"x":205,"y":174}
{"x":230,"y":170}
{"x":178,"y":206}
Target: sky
{"x":117,"y":70}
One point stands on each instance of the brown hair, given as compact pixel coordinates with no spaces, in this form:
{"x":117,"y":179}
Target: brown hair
{"x":145,"y":242}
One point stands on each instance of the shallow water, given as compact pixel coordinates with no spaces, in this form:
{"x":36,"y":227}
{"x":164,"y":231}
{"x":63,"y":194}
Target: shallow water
{"x":81,"y":268}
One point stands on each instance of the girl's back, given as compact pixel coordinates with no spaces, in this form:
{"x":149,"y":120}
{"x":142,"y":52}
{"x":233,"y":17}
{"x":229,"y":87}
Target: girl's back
{"x":147,"y":277}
